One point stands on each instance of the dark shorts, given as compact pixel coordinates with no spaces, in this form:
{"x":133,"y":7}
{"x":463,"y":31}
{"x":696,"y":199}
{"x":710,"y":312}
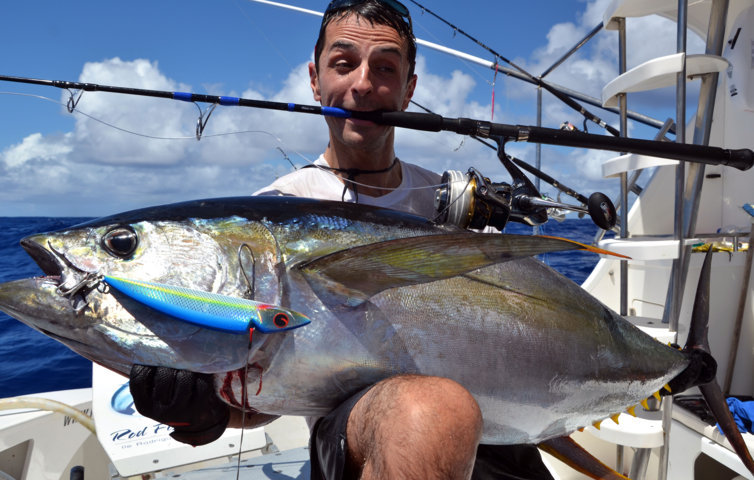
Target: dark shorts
{"x":328,"y":453}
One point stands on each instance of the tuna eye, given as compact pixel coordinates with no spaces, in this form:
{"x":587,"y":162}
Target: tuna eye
{"x":120,"y":241}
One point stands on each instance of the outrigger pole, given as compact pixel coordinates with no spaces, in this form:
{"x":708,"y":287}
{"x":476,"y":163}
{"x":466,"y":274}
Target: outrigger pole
{"x":742,"y":159}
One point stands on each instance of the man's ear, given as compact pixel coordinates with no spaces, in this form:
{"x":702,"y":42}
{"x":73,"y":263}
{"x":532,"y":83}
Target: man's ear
{"x":314,"y":82}
{"x":409,"y":91}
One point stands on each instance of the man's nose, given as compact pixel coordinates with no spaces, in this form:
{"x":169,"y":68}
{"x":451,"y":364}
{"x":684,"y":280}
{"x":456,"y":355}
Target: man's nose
{"x":362,"y":84}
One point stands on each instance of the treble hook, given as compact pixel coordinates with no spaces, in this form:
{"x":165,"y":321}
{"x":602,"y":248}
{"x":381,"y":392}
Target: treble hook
{"x":71,"y":104}
{"x":88,"y":282}
{"x":201,"y":122}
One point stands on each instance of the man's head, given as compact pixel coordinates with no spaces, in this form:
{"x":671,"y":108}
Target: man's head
{"x":365,"y":61}
{"x":377,"y":12}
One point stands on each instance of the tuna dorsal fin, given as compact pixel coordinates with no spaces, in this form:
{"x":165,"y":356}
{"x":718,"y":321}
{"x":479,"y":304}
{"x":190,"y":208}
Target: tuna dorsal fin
{"x":357,"y":273}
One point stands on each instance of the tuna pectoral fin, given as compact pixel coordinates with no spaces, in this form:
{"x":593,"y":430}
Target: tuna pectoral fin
{"x":572,"y":454}
{"x":369,"y":269}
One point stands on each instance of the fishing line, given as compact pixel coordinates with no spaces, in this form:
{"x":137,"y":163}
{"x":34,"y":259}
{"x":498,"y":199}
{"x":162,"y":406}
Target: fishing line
{"x":466,"y":63}
{"x":145,"y":135}
{"x":244,"y":402}
{"x":303,"y":157}
{"x":271,"y":44}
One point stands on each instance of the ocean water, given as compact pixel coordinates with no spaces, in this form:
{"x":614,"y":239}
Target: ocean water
{"x":30,"y":362}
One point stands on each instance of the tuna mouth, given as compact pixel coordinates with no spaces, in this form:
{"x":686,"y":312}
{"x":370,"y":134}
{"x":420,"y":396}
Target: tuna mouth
{"x":72,"y":282}
{"x":45,"y":259}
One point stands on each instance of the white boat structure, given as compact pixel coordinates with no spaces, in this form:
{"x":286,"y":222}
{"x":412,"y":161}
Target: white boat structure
{"x":678,"y":207}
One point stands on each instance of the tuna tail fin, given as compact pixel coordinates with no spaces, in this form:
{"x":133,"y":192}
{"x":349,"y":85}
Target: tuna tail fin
{"x":703,"y":367}
{"x":572,"y":454}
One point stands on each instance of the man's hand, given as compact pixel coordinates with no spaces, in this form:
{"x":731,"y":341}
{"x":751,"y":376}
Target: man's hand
{"x":185,"y":400}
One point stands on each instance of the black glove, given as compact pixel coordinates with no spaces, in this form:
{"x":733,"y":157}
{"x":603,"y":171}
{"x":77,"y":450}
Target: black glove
{"x":185,"y":400}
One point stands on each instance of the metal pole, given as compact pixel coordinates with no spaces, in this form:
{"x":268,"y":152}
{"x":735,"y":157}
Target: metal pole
{"x":624,"y":175}
{"x":680,"y":179}
{"x":539,"y":146}
{"x":702,"y":127}
{"x":539,"y":124}
{"x":676,"y":288}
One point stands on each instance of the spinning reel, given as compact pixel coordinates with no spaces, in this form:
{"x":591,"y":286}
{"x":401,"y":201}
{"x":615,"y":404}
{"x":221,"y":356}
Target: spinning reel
{"x":471,"y":200}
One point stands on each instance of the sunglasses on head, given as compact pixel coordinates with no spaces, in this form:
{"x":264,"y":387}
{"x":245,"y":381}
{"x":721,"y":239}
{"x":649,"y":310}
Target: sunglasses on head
{"x":394,"y":5}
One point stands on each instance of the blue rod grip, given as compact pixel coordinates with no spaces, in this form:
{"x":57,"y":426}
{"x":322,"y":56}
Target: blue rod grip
{"x":230,"y":101}
{"x":185,"y":96}
{"x":335,"y":112}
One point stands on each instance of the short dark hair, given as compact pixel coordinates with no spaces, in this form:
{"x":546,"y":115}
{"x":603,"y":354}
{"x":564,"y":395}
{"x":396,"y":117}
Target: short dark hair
{"x":376,"y":13}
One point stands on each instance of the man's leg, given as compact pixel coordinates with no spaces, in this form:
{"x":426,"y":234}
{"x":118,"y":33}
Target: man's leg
{"x":414,"y":427}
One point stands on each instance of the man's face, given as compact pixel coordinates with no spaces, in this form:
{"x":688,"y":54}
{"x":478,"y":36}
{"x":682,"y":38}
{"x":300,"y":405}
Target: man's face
{"x":362,"y":67}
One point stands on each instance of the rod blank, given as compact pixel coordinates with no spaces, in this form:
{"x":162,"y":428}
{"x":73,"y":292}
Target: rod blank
{"x":742,"y":159}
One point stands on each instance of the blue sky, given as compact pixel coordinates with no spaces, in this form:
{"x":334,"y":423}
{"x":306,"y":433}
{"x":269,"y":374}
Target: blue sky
{"x":53,"y":163}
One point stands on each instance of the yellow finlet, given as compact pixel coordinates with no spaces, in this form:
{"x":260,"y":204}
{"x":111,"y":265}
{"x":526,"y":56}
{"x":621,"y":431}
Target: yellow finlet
{"x":657,"y":396}
{"x":645,"y":404}
{"x":588,"y":248}
{"x":631,"y":410}
{"x":597,"y":424}
{"x":667,"y":387}
{"x":614,"y":418}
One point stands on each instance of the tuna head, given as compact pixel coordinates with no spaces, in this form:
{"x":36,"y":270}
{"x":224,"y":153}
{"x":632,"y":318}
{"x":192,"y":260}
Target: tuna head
{"x":73,"y":305}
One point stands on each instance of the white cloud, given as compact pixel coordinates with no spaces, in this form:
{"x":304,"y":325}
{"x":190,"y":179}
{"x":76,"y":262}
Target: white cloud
{"x":98,"y":169}
{"x":35,"y":146}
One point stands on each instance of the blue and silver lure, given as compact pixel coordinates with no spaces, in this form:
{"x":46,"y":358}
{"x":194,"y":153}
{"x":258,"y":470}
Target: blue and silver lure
{"x":210,"y":310}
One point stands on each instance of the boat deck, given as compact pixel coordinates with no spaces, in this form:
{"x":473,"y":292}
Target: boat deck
{"x":286,"y":465}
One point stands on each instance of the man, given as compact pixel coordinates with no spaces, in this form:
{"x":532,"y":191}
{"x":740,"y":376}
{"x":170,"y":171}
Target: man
{"x":408,"y":426}
{"x":363,"y":61}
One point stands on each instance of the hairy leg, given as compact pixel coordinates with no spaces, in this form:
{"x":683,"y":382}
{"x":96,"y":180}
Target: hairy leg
{"x":414,"y":427}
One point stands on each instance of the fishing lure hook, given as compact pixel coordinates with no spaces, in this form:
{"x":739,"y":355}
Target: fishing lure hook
{"x":201,"y":122}
{"x":90,"y":281}
{"x":77,"y":293}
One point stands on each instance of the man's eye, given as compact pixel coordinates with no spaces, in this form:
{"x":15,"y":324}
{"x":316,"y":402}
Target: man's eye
{"x":342,"y":64}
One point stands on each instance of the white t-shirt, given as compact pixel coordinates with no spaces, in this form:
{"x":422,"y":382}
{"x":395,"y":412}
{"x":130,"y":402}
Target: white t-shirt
{"x":415,"y":194}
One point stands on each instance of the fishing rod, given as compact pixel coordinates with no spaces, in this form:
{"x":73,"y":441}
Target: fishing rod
{"x":742,"y":159}
{"x":641,"y":118}
{"x":536,"y":80}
